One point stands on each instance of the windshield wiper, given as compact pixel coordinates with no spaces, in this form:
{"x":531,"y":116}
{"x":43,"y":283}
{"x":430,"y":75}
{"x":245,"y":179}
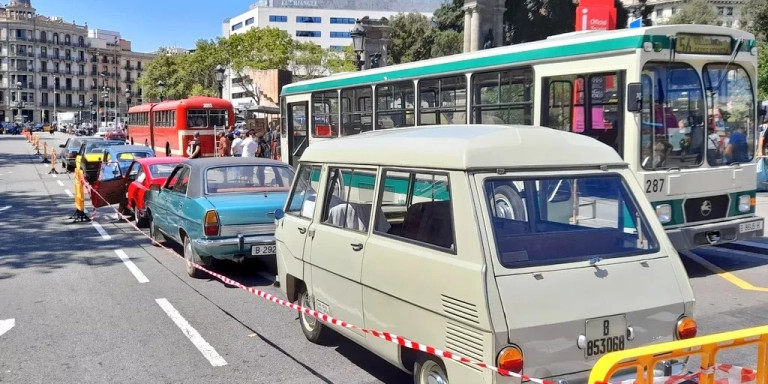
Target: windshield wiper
{"x":739,"y":43}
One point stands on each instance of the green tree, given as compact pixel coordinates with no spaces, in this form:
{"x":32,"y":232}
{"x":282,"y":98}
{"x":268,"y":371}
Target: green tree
{"x":448,"y":42}
{"x":695,"y":12}
{"x":309,"y":60}
{"x":343,"y":61}
{"x":170,"y":70}
{"x":258,"y":48}
{"x":410,"y":39}
{"x":762,"y":70}
{"x":755,"y":18}
{"x":450,"y":16}
{"x":532,"y":20}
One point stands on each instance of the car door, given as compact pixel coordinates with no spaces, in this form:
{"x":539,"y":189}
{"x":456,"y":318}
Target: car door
{"x":175,"y":201}
{"x":159,"y":206}
{"x":109,"y":187}
{"x":338,"y":241}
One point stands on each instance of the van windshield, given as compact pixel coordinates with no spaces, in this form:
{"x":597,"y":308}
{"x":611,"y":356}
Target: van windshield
{"x":546,"y":220}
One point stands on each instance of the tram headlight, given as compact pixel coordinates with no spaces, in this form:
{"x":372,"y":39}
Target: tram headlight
{"x":664,"y":213}
{"x":745,"y":203}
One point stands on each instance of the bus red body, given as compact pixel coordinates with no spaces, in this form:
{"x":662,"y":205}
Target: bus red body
{"x":169,"y":126}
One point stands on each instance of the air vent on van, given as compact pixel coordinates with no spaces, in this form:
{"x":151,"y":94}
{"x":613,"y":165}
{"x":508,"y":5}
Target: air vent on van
{"x":464,"y":341}
{"x":460,"y":310}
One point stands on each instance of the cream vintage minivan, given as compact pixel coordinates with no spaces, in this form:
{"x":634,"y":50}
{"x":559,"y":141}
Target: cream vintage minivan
{"x":527,"y":248}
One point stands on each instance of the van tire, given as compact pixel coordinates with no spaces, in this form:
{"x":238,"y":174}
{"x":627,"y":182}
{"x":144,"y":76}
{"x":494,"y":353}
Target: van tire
{"x":312,"y":328}
{"x":429,"y":369}
{"x":508,"y":204}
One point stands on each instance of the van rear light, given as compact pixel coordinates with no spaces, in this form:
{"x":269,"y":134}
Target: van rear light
{"x":511,"y":359}
{"x":211,"y":223}
{"x":686,"y":328}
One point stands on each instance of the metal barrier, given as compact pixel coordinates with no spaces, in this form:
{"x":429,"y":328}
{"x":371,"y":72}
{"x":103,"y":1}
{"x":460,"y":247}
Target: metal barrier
{"x":645,"y":359}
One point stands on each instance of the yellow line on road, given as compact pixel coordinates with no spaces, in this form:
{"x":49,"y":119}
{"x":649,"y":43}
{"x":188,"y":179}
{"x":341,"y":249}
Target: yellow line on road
{"x":730,"y":277}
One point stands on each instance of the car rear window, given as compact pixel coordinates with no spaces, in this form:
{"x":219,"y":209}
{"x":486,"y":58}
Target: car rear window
{"x":248,"y":178}
{"x":162,"y":170}
{"x":128,"y":156}
{"x":546,"y":221}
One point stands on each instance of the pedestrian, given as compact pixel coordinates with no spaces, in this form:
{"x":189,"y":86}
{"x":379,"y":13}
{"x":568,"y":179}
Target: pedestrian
{"x":224,"y":145}
{"x":250,"y":146}
{"x":231,"y":133}
{"x":237,"y":145}
{"x":193,"y":149}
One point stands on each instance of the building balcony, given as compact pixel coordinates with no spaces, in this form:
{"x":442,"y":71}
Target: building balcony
{"x":80,"y":60}
{"x":45,"y":87}
{"x":128,"y":80}
{"x":80,"y":73}
{"x":94,"y":60}
{"x":45,"y":104}
{"x":43,"y":55}
{"x":129,"y":67}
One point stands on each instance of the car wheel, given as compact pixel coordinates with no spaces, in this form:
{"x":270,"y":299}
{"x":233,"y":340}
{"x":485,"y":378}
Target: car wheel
{"x":191,"y":257}
{"x":429,"y":370}
{"x":154,"y":233}
{"x":140,"y":222}
{"x":312,"y":328}
{"x":508,"y":204}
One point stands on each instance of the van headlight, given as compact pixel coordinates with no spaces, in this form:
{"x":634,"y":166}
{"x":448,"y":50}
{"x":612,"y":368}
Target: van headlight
{"x":664,"y":213}
{"x":745,"y":203}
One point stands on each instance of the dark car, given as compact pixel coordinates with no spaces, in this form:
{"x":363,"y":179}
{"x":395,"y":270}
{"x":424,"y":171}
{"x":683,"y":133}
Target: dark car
{"x":91,"y":155}
{"x":69,"y":151}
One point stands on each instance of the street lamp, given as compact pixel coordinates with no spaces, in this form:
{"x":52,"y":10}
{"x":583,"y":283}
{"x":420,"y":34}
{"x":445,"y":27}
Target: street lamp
{"x":20,"y":104}
{"x":90,"y":102}
{"x":105,"y":94}
{"x":160,"y":88}
{"x":358,"y":43}
{"x":55,"y":79}
{"x":80,"y":117}
{"x":218,"y":72}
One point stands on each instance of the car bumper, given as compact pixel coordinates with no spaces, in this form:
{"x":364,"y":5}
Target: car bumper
{"x":231,"y":248}
{"x":713,"y":233}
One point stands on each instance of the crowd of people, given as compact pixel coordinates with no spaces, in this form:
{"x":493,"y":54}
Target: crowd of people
{"x":246,"y":144}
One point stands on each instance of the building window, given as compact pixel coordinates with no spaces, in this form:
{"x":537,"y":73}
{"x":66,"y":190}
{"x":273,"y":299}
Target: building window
{"x":278,"y":19}
{"x":249,"y":21}
{"x":674,"y":10}
{"x":307,"y":19}
{"x":337,"y":48}
{"x":720,"y":11}
{"x":307,"y":33}
{"x":659,"y":12}
{"x":237,"y":26}
{"x":729,"y":11}
{"x":340,"y":34}
{"x":342,"y":20}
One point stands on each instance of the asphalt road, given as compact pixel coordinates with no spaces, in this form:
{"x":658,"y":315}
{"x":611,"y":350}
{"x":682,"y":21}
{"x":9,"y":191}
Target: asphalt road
{"x":82,"y":315}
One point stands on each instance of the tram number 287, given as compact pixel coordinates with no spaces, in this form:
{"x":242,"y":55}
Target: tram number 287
{"x":654,"y":185}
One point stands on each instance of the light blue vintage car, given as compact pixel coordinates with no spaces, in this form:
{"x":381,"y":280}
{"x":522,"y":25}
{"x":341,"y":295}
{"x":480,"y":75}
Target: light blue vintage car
{"x":220,"y":208}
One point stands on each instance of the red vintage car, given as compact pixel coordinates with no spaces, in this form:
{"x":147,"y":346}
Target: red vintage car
{"x":115,"y":134}
{"x":129,"y":190}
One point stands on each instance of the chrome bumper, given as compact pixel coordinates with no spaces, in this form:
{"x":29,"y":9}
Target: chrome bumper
{"x":713,"y":233}
{"x":231,"y":247}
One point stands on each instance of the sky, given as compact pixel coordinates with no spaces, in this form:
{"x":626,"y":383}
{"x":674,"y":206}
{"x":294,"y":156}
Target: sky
{"x":148,"y":24}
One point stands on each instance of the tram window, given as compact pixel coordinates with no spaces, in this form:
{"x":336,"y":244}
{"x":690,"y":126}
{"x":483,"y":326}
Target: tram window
{"x":443,"y":101}
{"x":732,"y":118}
{"x":197,"y":118}
{"x":325,"y":112}
{"x":356,"y":110}
{"x":560,"y":106}
{"x":504,"y":97}
{"x":395,"y":105}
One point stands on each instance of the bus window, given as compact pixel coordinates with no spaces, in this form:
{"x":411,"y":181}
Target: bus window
{"x":356,"y":110}
{"x":560,"y":107}
{"x":504,"y":97}
{"x":672,"y":131}
{"x":395,"y":105}
{"x":443,"y":101}
{"x":325,"y":109}
{"x":733,"y":116}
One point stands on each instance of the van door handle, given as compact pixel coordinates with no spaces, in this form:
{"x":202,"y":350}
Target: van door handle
{"x":302,"y":230}
{"x":357,"y":247}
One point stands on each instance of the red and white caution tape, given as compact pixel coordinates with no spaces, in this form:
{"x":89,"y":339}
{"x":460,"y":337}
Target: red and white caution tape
{"x":747,"y":375}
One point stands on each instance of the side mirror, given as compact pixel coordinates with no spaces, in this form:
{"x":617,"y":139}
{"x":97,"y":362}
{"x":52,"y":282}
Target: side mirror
{"x":154,"y":187}
{"x":634,"y":97}
{"x":61,"y":145}
{"x":279,"y":214}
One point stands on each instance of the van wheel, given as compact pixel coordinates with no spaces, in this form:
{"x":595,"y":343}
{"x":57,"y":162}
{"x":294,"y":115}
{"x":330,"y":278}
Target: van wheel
{"x":429,"y":370}
{"x":312,"y":328}
{"x":508,"y":204}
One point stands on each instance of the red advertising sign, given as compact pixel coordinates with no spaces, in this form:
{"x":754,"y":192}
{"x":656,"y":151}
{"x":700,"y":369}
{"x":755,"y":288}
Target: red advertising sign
{"x":595,"y":15}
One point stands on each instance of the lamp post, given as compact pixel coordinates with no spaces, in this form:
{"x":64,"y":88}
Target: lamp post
{"x":358,"y":43}
{"x":218,"y":72}
{"x":20,"y":104}
{"x":160,"y":88}
{"x":90,"y":102}
{"x":55,"y":78}
{"x":105,"y":94}
{"x":80,"y":117}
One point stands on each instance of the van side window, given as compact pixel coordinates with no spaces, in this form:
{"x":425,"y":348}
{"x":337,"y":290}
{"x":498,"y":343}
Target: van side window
{"x":302,"y":199}
{"x":417,"y":207}
{"x":349,"y":198}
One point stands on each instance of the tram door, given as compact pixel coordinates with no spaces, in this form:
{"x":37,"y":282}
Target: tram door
{"x":298,"y":137}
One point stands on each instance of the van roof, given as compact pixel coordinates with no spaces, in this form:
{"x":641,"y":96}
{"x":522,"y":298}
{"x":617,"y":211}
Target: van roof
{"x":465,"y":147}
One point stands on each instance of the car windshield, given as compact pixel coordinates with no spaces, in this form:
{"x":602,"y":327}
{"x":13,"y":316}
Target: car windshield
{"x":248,"y":178}
{"x":162,"y":170}
{"x":548,"y":220}
{"x":74,"y":143}
{"x":99,"y":145}
{"x":129,"y":156}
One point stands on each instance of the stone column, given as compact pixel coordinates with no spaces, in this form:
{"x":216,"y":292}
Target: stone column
{"x":468,"y":9}
{"x":498,"y":30}
{"x":476,"y":42}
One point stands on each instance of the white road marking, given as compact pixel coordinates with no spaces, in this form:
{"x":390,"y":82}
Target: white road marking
{"x":6,"y":325}
{"x":206,"y":349}
{"x":101,"y":231}
{"x":61,"y":184}
{"x":69,"y":193}
{"x":5,"y":208}
{"x":54,"y":175}
{"x":131,"y":266}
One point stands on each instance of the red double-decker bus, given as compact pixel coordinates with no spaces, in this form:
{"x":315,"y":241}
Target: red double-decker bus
{"x":169,"y":126}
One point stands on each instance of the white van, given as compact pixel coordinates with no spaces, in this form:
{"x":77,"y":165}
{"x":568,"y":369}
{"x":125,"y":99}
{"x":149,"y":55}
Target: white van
{"x":527,"y":248}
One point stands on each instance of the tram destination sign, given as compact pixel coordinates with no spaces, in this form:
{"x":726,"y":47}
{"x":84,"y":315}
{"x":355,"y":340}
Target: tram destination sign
{"x":703,"y":44}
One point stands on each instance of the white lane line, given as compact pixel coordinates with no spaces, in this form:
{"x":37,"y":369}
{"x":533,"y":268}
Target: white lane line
{"x":54,"y":175}
{"x":61,"y":184}
{"x":6,"y":325}
{"x":206,"y":349}
{"x":131,"y":266}
{"x":69,"y":193}
{"x":101,"y":231}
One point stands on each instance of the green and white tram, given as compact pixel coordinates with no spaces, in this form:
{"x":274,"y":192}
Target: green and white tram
{"x":677,"y":102}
